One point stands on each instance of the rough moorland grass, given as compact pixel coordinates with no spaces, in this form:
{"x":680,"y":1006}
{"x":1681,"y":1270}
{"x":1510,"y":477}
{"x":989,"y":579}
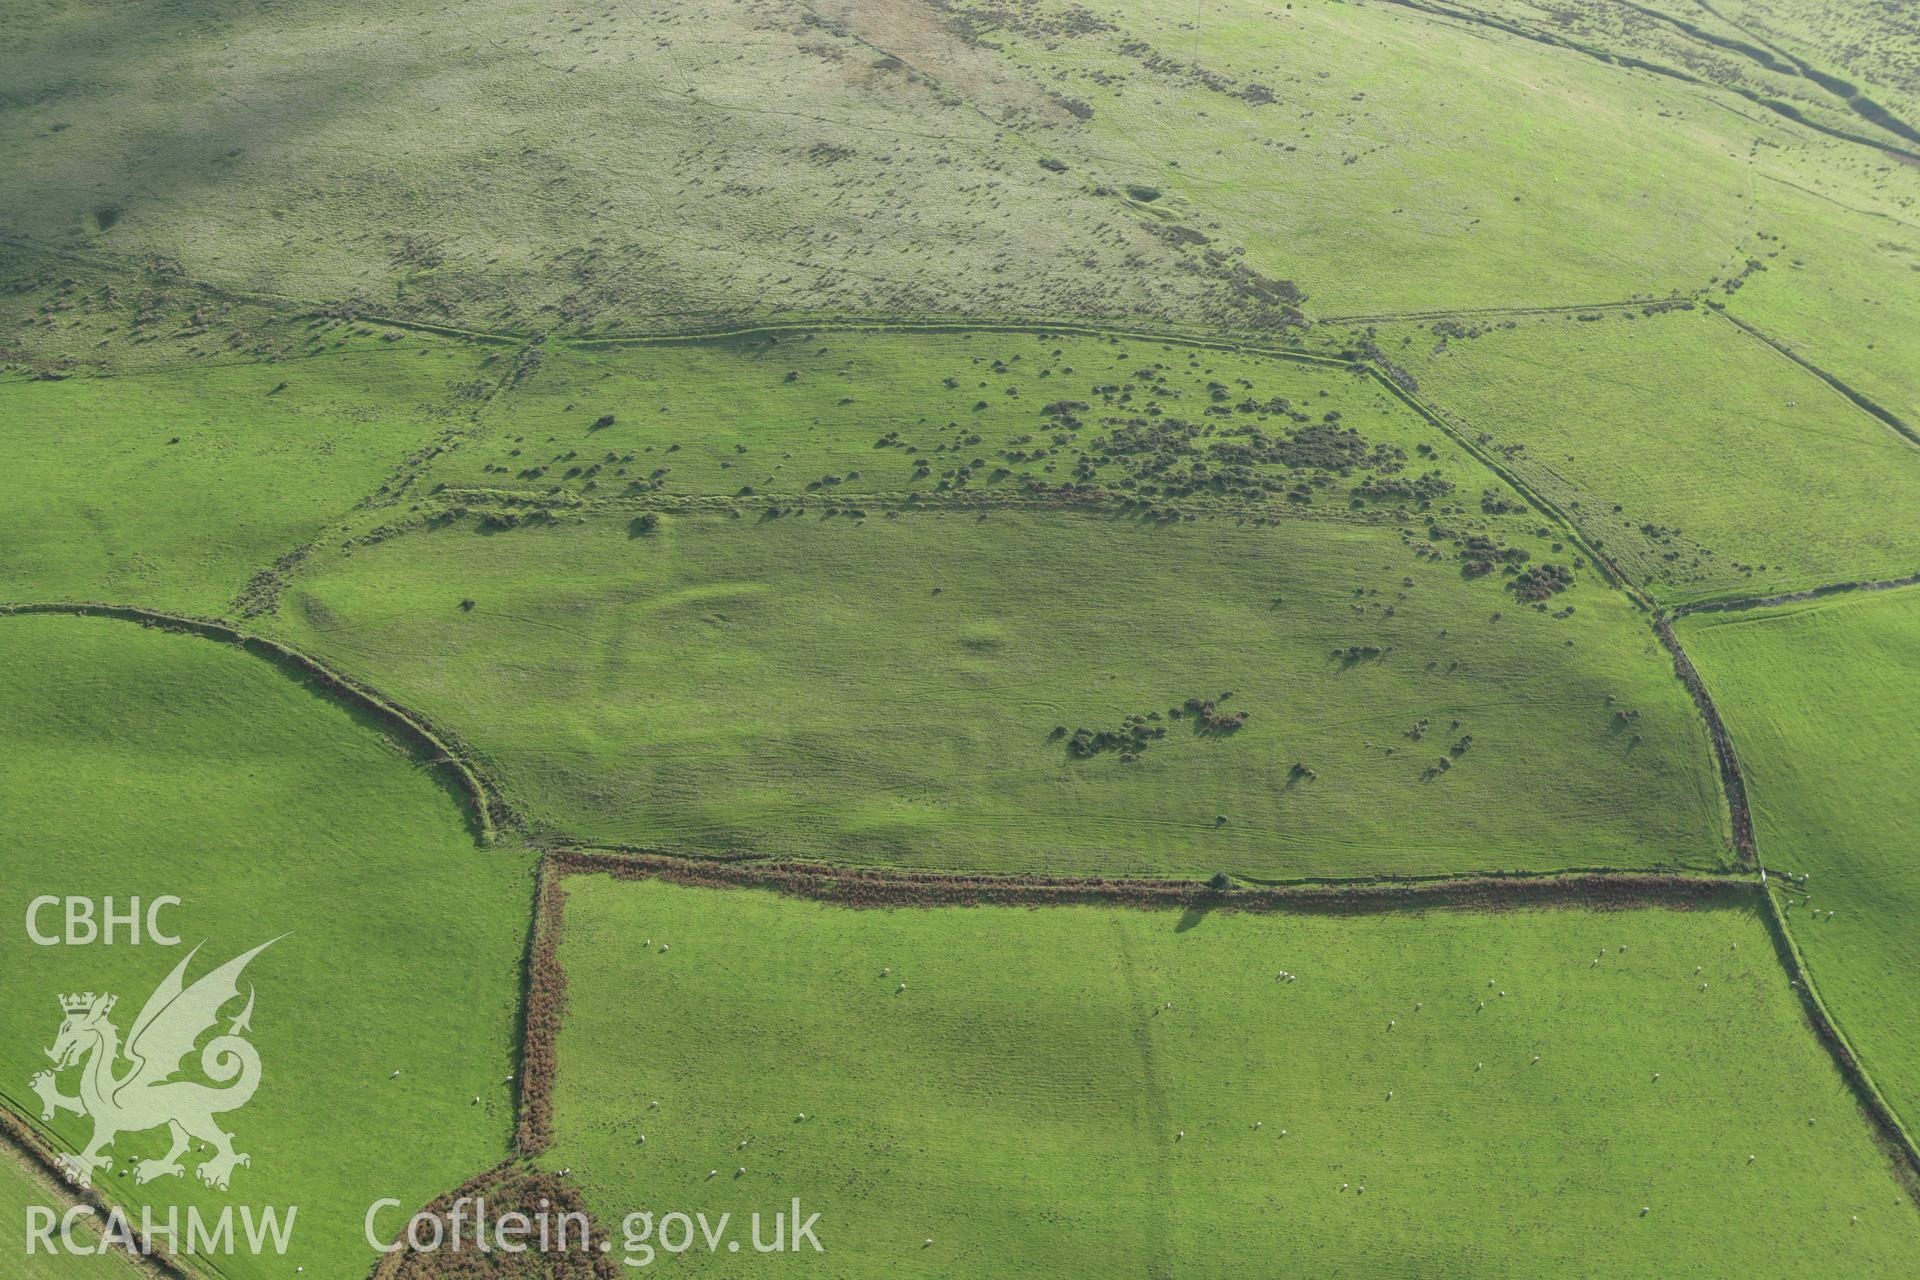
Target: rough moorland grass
{"x":833,"y":414}
{"x":690,"y":164}
{"x":879,"y":159}
{"x":1704,"y":463}
{"x":1350,"y":148}
{"x":172,"y":489}
{"x":1823,"y":701}
{"x":890,"y":691}
{"x":1022,"y":1101}
{"x":146,"y":763}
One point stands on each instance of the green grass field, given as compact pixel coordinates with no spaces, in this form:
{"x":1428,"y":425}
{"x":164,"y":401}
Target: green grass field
{"x":1036,"y":438}
{"x":1704,"y":463}
{"x":889,"y":692}
{"x":1021,"y":1101}
{"x":173,"y":489}
{"x":146,"y":763}
{"x":958,"y":416}
{"x":1821,"y":699}
{"x":1845,"y":294}
{"x":22,"y":1186}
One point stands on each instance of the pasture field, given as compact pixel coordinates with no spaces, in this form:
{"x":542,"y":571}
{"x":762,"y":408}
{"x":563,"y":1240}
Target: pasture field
{"x":22,"y":1186}
{"x":1702,"y":462}
{"x":1252,"y":445}
{"x":146,"y":763}
{"x":172,"y":489}
{"x":1844,"y":293}
{"x":958,"y":416}
{"x":906,"y":690}
{"x":1824,"y":702}
{"x":1076,"y":1090}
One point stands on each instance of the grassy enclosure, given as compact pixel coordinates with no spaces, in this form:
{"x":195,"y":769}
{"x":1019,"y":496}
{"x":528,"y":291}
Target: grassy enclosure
{"x":1232,"y":444}
{"x":969,"y":415}
{"x":1822,"y":701}
{"x":911,"y":690}
{"x":1110,"y":1090}
{"x":173,"y":489}
{"x":147,"y":763}
{"x":1705,"y":463}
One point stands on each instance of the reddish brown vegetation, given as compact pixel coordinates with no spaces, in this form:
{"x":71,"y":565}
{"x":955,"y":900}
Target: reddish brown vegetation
{"x":546,"y":1007}
{"x":1730,"y":775}
{"x":510,"y":1188}
{"x":886,"y":888}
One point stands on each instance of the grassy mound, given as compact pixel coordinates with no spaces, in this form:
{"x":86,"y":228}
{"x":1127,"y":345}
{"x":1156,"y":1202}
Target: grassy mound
{"x":145,"y":763}
{"x":1100,"y":1091}
{"x":1824,"y":703}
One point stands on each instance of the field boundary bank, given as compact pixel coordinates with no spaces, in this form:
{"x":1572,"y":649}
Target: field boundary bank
{"x":488,"y":812}
{"x":1823,"y":592}
{"x":1866,"y":405}
{"x":1885,"y":1121}
{"x":862,"y":887}
{"x":545,"y":1009}
{"x":1733,"y":782}
{"x":1550,"y":309}
{"x":20,"y":1136}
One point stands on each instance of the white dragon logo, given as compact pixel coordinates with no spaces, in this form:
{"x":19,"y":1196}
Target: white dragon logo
{"x":146,"y":1096}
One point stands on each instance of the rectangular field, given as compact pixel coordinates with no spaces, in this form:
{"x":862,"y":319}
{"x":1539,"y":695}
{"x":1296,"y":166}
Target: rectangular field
{"x":912,"y":691}
{"x":970,"y":415}
{"x":1823,"y":701}
{"x":145,"y":764}
{"x":1117,"y":1091}
{"x":1706,"y":464}
{"x":170,"y":490}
